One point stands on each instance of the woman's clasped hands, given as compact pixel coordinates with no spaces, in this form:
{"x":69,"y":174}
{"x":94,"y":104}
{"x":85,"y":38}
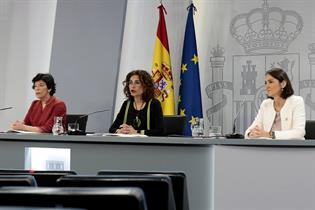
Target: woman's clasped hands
{"x":126,"y":129}
{"x":257,"y":132}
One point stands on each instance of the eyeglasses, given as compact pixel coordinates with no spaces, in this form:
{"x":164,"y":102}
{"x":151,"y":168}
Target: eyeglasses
{"x":136,"y":82}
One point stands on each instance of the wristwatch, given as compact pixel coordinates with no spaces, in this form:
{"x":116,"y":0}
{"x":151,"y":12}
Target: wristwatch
{"x":272,"y":134}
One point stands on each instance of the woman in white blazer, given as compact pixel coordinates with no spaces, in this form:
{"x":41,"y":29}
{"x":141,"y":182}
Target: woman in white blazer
{"x":282,"y":115}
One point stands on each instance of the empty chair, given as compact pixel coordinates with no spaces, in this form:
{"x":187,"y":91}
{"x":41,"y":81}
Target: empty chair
{"x":178,"y":179}
{"x":81,"y":119}
{"x":43,"y":178}
{"x":17,"y":180}
{"x":157,"y":189}
{"x":109,"y":198}
{"x":173,"y":125}
{"x":310,"y":129}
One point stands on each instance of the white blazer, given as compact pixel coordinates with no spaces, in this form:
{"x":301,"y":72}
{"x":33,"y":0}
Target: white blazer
{"x":292,"y":118}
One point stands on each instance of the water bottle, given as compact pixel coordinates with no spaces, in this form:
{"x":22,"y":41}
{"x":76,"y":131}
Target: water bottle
{"x":57,"y":129}
{"x":197,"y":128}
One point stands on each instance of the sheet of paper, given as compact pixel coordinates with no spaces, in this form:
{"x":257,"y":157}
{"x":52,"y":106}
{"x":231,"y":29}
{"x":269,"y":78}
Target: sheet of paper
{"x":17,"y":131}
{"x":124,"y":135}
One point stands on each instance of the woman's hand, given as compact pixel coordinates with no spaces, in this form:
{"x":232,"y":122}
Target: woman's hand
{"x":126,"y":129}
{"x":18,"y":125}
{"x":257,"y":132}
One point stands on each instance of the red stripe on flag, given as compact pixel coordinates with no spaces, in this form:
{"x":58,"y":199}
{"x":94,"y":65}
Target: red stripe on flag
{"x":161,"y":31}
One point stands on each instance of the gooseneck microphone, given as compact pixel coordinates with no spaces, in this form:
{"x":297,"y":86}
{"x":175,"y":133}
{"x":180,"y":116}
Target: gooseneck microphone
{"x":6,"y":108}
{"x":78,"y":131}
{"x":236,"y":135}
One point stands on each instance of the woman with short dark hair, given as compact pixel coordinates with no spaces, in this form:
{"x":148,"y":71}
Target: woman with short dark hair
{"x":141,"y":113}
{"x":282,"y":115}
{"x":40,"y":116}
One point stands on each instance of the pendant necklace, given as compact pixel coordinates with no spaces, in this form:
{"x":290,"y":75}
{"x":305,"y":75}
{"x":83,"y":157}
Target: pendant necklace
{"x":137,"y":121}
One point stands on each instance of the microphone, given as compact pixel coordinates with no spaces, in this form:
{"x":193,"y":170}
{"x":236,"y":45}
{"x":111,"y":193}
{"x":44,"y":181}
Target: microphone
{"x":78,"y":131}
{"x":236,"y":135}
{"x":5,"y":108}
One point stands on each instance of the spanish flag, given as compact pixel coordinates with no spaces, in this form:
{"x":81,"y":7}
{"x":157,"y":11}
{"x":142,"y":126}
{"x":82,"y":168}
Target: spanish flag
{"x":161,"y":68}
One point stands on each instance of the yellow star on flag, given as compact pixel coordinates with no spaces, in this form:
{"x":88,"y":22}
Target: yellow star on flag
{"x":184,"y":68}
{"x":193,"y":120}
{"x":195,"y":59}
{"x":182,"y":112}
{"x":179,"y":99}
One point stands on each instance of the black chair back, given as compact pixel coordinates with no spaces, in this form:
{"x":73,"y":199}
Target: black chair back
{"x":81,"y":119}
{"x":173,"y":125}
{"x":178,"y":179}
{"x":157,"y":190}
{"x":310,"y":129}
{"x":109,"y":198}
{"x":43,"y":178}
{"x":17,"y":180}
{"x":36,"y":208}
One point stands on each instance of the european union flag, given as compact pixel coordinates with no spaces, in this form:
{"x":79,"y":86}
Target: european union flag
{"x":189,"y":101}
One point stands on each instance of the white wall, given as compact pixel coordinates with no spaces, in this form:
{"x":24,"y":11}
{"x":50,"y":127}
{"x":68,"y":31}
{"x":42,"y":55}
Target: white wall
{"x":26,"y":30}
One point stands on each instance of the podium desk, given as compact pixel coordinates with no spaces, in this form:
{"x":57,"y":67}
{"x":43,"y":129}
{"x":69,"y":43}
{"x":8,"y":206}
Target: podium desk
{"x":221,"y":173}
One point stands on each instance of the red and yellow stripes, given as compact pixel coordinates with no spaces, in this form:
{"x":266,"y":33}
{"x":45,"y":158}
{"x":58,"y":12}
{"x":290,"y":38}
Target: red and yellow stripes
{"x":161,"y":68}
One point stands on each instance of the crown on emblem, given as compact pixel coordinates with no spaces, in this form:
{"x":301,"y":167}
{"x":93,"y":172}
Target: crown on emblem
{"x":266,"y":30}
{"x":217,"y":51}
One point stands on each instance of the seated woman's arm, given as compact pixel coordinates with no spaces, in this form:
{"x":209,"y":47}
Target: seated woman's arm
{"x":19,"y":125}
{"x":58,"y":110}
{"x":156,"y":120}
{"x":119,"y":119}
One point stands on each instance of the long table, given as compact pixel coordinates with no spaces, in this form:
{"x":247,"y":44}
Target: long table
{"x":221,"y":173}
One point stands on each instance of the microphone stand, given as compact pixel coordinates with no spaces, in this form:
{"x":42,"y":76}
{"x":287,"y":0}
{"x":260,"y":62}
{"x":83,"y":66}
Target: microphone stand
{"x":78,"y":131}
{"x":2,"y":109}
{"x":236,"y":135}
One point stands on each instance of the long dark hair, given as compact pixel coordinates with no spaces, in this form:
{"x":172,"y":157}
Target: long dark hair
{"x":281,"y":75}
{"x":146,"y":81}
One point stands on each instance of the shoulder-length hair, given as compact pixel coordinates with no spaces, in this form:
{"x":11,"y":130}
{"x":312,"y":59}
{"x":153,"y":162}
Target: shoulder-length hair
{"x":281,"y":75}
{"x":48,"y":79}
{"x":146,"y":82}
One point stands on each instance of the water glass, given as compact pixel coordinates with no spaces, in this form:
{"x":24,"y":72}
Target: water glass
{"x":197,"y":129}
{"x":57,"y":128}
{"x":215,"y":131}
{"x":73,"y":126}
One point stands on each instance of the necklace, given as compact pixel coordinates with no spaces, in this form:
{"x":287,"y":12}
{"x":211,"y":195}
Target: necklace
{"x":137,"y":121}
{"x":139,"y":107}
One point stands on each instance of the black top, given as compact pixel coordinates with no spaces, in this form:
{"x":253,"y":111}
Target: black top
{"x":156,"y":118}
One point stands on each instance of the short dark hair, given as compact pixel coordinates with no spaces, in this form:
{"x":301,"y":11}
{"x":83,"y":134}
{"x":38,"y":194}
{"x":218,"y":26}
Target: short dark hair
{"x":146,"y":81}
{"x":281,"y":75}
{"x":48,"y":79}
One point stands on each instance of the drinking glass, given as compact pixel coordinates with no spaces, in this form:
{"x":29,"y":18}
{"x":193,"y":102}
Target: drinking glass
{"x":197,"y":129}
{"x":215,"y":131}
{"x":73,"y":126}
